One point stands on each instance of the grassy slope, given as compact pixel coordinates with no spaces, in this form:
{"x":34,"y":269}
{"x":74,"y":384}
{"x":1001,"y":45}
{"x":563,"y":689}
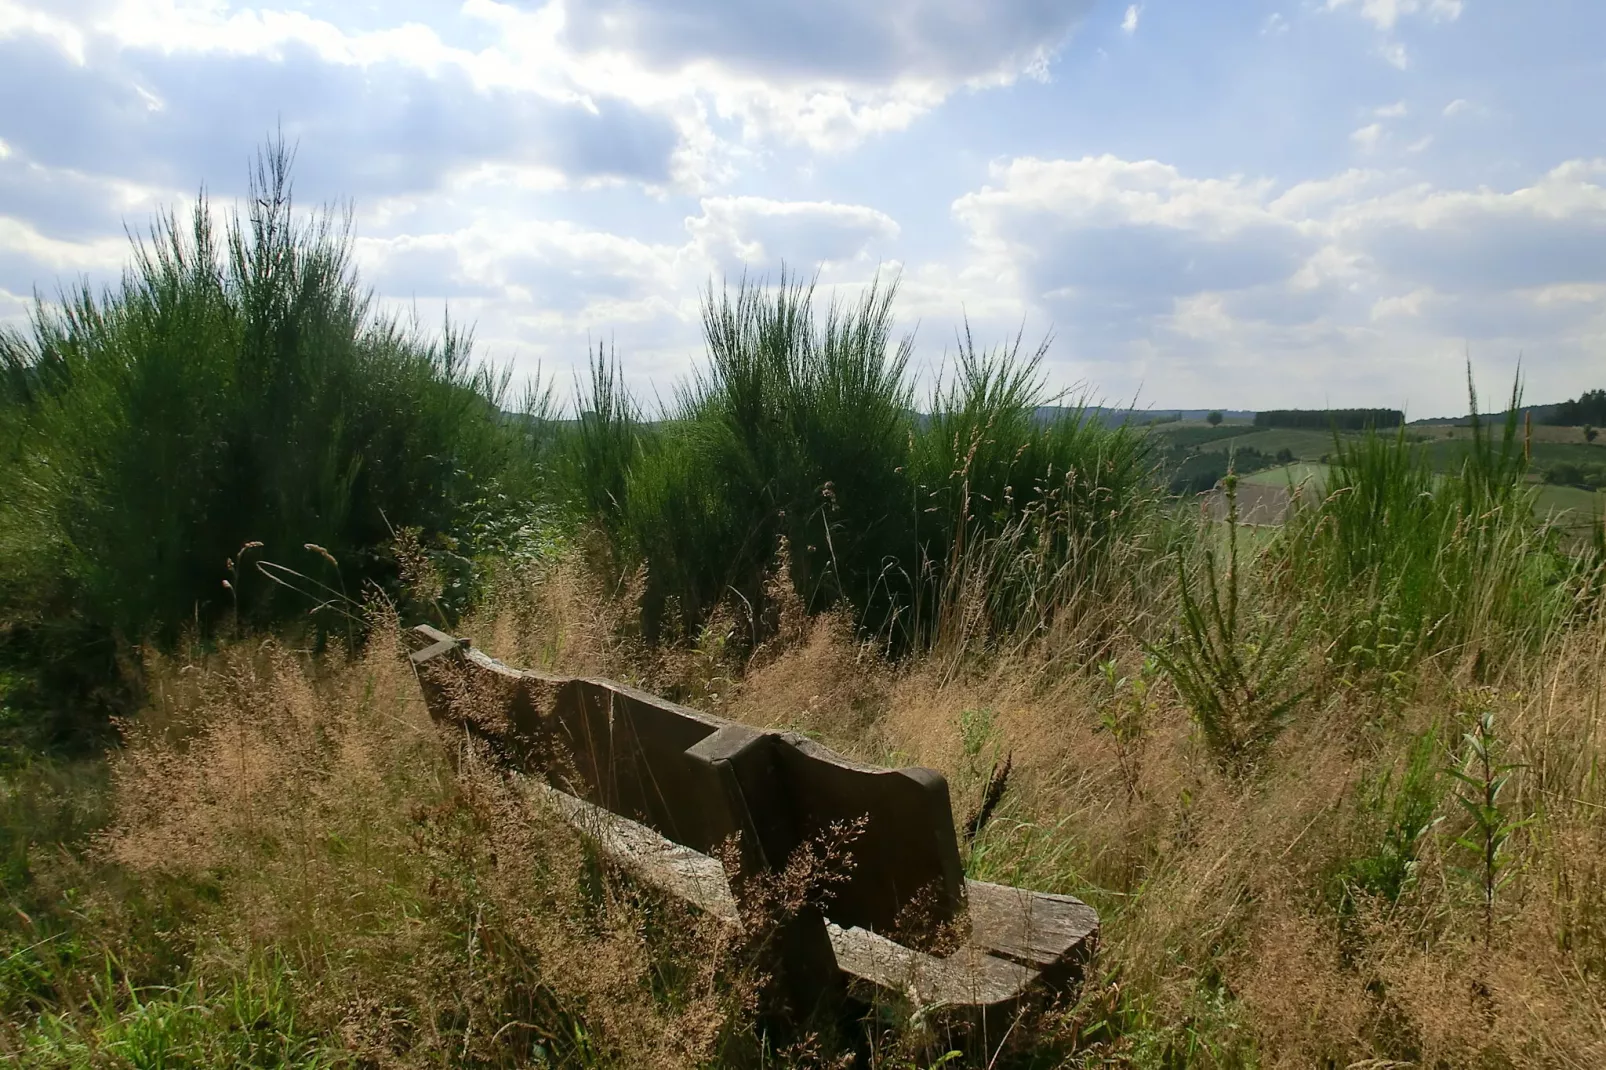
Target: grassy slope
{"x":1296,"y":474}
{"x":1247,"y":749}
{"x":1573,"y":507}
{"x":1306,"y":445}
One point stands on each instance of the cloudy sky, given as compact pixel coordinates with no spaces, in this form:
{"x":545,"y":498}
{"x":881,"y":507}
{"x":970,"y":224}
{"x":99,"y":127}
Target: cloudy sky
{"x":1246,"y":204}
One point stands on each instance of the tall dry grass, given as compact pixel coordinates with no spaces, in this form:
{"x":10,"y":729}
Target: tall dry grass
{"x":304,"y":822}
{"x":1320,"y":912}
{"x":298,"y":821}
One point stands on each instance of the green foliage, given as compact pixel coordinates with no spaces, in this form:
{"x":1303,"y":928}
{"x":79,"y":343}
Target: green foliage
{"x":1200,"y":471}
{"x":1406,"y":564}
{"x":1587,"y":408}
{"x":1585,"y":476}
{"x":1406,"y":811}
{"x":1124,"y":713}
{"x":235,"y":387}
{"x":803,"y":429}
{"x":248,"y":1022}
{"x":1331,"y":419}
{"x":1237,"y":671}
{"x":1017,"y":522}
{"x":1193,"y":435}
{"x":1483,"y":774}
{"x":1214,"y":418}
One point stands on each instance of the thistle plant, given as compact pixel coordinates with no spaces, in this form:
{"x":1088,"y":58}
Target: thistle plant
{"x":1483,"y":776}
{"x":1237,"y":674}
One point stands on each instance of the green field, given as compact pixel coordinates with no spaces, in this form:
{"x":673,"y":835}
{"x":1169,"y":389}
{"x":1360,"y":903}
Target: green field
{"x":1297,"y":474}
{"x":1572,"y":507}
{"x":1305,"y":445}
{"x":1196,"y":434}
{"x":1447,"y":454}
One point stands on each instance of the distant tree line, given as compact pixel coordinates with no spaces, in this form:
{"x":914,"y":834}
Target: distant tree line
{"x":1325,"y":419}
{"x":1587,"y":408}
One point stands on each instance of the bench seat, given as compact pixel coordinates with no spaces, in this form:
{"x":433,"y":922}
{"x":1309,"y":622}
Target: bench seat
{"x":1018,"y":939}
{"x":658,"y":787}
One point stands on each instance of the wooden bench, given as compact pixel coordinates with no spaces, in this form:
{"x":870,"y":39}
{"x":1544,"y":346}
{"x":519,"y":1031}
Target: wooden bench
{"x":661,"y":787}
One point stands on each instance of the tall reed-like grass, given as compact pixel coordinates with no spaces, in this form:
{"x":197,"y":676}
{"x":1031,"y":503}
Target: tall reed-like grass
{"x":237,"y":386}
{"x":1025,"y":525}
{"x":804,"y":428}
{"x":1405,"y":564}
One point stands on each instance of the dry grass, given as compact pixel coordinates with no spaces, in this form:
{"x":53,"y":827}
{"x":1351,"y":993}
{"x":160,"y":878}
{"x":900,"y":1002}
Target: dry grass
{"x":1226,"y":939}
{"x":309,"y":816}
{"x":305,"y":813}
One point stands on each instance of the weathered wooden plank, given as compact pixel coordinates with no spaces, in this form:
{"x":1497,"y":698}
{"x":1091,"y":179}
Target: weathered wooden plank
{"x":627,"y":751}
{"x":1035,"y":929}
{"x":905,"y":878}
{"x":968,"y":978}
{"x":877,"y":967}
{"x":643,"y":853}
{"x":744,"y":808}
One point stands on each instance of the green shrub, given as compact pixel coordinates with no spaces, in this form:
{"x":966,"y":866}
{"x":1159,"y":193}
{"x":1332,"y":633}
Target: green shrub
{"x":1018,"y":521}
{"x":1197,"y":472}
{"x":1236,"y":666}
{"x":803,"y":428}
{"x":1403,"y":812}
{"x":1407,"y":564}
{"x":234,"y":389}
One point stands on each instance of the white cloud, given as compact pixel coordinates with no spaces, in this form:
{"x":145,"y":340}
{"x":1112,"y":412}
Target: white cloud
{"x":758,"y":232}
{"x":1385,"y":14}
{"x":1456,"y":107}
{"x":1391,"y":111}
{"x":825,"y":74}
{"x":1129,"y":22}
{"x":1195,"y":279}
{"x":825,"y":42}
{"x":1402,"y":305}
{"x":17,"y":19}
{"x":545,"y":290}
{"x":1367,"y":137}
{"x":1275,"y":23}
{"x":31,"y":258}
{"x":1395,"y":55}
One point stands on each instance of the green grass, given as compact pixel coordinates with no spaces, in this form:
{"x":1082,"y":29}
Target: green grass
{"x":1571,"y":507}
{"x":248,"y":1022}
{"x":1305,"y":445}
{"x":1406,"y":562}
{"x":1314,"y":475}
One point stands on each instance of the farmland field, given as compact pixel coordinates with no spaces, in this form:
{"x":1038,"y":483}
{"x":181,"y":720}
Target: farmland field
{"x":1297,"y":474}
{"x":1571,"y":506}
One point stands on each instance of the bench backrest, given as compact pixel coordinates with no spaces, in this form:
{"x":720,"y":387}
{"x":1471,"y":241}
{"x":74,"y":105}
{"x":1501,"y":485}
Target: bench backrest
{"x":696,"y":778}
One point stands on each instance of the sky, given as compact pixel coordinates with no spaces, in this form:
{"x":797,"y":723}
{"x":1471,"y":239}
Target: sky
{"x":1290,"y":203}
